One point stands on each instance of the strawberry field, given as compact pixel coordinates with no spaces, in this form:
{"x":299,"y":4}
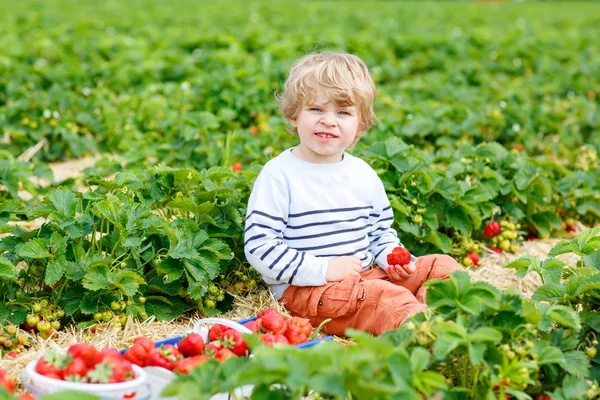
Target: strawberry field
{"x":488,"y":138}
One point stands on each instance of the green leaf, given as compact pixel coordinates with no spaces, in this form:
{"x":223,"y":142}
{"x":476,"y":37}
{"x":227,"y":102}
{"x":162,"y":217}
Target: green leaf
{"x":550,"y":355}
{"x":565,"y":316}
{"x":37,"y":248}
{"x":419,"y":359}
{"x":7,"y":269}
{"x":523,"y":265}
{"x":477,"y":352}
{"x":64,"y":201}
{"x":552,"y":270}
{"x":592,"y":260}
{"x":444,"y":344}
{"x":128,"y":282}
{"x":562,"y":247}
{"x":576,"y":363}
{"x":98,"y":278}
{"x":485,"y":334}
{"x":55,"y":270}
{"x":549,"y":291}
{"x":459,"y":219}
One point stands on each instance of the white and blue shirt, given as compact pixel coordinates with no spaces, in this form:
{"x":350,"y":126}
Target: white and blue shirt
{"x":301,"y":214}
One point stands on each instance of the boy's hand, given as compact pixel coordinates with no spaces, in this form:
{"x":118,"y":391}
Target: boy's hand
{"x":399,"y":272}
{"x":340,"y":268}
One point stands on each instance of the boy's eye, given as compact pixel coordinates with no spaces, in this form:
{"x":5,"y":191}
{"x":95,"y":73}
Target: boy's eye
{"x":314,"y":109}
{"x":344,"y":113}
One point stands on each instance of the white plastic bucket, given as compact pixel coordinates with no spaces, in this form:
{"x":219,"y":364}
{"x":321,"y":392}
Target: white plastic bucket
{"x":40,"y":385}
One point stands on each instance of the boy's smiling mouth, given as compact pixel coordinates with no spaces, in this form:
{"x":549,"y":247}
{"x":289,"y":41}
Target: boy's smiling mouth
{"x":325,"y":135}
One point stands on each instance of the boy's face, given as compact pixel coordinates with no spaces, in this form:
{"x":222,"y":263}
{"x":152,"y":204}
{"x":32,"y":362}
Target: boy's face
{"x":326,"y":130}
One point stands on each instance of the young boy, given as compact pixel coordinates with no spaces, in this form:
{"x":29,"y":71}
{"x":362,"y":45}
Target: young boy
{"x":318,"y":218}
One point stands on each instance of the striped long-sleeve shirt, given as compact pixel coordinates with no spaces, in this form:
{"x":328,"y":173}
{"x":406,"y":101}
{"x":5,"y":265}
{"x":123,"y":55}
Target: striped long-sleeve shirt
{"x":301,"y":215}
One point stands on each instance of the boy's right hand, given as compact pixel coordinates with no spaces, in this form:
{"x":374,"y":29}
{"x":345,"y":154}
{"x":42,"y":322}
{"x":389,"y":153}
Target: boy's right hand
{"x":340,"y":268}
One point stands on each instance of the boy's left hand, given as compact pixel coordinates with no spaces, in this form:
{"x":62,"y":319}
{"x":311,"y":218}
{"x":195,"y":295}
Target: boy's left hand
{"x":399,"y":272}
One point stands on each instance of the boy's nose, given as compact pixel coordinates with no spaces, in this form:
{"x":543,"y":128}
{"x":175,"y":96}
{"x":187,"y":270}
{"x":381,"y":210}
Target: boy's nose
{"x":327,"y":120}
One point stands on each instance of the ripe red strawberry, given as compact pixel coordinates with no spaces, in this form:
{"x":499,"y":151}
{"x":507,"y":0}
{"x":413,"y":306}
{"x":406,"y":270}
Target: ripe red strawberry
{"x":223,"y":355}
{"x":216,"y":332}
{"x":495,"y":249}
{"x":166,"y":356}
{"x":474,"y":257}
{"x":269,"y":339}
{"x":186,"y":365}
{"x":211,"y":348}
{"x":7,"y":381}
{"x":273,"y":322}
{"x":25,"y":396}
{"x":267,"y":311}
{"x":295,"y":335}
{"x":492,"y":229}
{"x":399,"y":256}
{"x":11,"y":355}
{"x":84,"y":351}
{"x":237,"y":166}
{"x":112,"y":369}
{"x":76,"y":370}
{"x":191,"y":345}
{"x":302,"y":323}
{"x":252,"y":325}
{"x":254,"y":130}
{"x":145,"y":343}
{"x":137,"y":354}
{"x":234,"y":341}
{"x":101,"y":355}
{"x":51,"y":364}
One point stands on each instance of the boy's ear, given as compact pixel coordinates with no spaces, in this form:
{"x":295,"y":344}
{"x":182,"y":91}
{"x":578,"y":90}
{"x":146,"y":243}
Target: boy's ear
{"x":293,"y":122}
{"x":361,"y":130}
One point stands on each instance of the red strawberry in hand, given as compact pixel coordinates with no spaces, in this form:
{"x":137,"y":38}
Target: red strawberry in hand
{"x":7,"y":381}
{"x":191,"y":345}
{"x":399,"y":256}
{"x":186,"y":365}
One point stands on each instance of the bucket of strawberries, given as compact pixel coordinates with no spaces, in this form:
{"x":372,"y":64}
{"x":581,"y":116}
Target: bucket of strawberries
{"x":105,"y":373}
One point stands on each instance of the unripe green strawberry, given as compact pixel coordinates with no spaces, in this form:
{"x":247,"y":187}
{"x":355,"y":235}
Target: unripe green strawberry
{"x":467,"y":262}
{"x":514,"y":248}
{"x":504,"y":245}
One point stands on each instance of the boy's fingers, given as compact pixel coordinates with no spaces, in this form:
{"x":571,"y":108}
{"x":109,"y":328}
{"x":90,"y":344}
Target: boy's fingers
{"x":410,"y":268}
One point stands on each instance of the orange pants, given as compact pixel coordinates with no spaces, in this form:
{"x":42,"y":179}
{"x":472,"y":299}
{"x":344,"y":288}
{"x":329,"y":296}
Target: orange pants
{"x":370,"y":301}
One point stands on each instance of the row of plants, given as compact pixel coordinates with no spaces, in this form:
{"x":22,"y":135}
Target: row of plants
{"x":171,"y":240}
{"x":474,"y":342}
{"x":172,"y":85}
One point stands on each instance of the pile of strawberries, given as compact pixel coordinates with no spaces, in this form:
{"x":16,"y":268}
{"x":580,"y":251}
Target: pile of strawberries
{"x":84,"y":363}
{"x":224,"y":342}
{"x":503,"y":236}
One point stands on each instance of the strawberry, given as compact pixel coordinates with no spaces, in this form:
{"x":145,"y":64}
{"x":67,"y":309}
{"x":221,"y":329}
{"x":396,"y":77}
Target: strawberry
{"x":137,"y":354}
{"x":399,"y":256}
{"x":84,"y":351}
{"x":216,"y":332}
{"x":270,"y":340}
{"x":234,"y":341}
{"x":223,"y":355}
{"x":267,"y":311}
{"x":273,"y":322}
{"x":26,"y":396}
{"x":145,"y":343}
{"x":474,"y":257}
{"x":76,"y":370}
{"x":185,"y":366}
{"x":166,"y":356}
{"x":11,"y":355}
{"x":101,"y":355}
{"x":112,"y":369}
{"x":303,"y":323}
{"x":254,"y":130}
{"x":191,"y":345}
{"x":7,"y":381}
{"x":212,"y":348}
{"x":51,"y":364}
{"x":295,"y":335}
{"x":252,"y":325}
{"x":495,"y":249}
{"x":237,"y":166}
{"x":492,"y":229}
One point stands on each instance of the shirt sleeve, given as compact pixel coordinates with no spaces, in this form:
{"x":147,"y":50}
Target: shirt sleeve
{"x":264,"y":247}
{"x":382,"y":238}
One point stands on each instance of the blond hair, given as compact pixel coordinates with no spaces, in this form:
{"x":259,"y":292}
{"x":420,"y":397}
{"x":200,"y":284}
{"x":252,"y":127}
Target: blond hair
{"x":344,"y":77}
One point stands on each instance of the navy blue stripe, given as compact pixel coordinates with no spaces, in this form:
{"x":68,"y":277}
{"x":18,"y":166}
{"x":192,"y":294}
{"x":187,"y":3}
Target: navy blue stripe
{"x":330,"y":245}
{"x":253,"y":238}
{"x":256,"y":248}
{"x":262,"y":226}
{"x":386,"y":219}
{"x":385,"y":209}
{"x":374,"y":215}
{"x":325,"y":234}
{"x":267,"y":253}
{"x":344,"y":254}
{"x":278,"y":258}
{"x":265,"y":215}
{"x":378,"y":229}
{"x":297,"y":268}
{"x":326,"y":223}
{"x":331,"y":210}
{"x":287,"y":266}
